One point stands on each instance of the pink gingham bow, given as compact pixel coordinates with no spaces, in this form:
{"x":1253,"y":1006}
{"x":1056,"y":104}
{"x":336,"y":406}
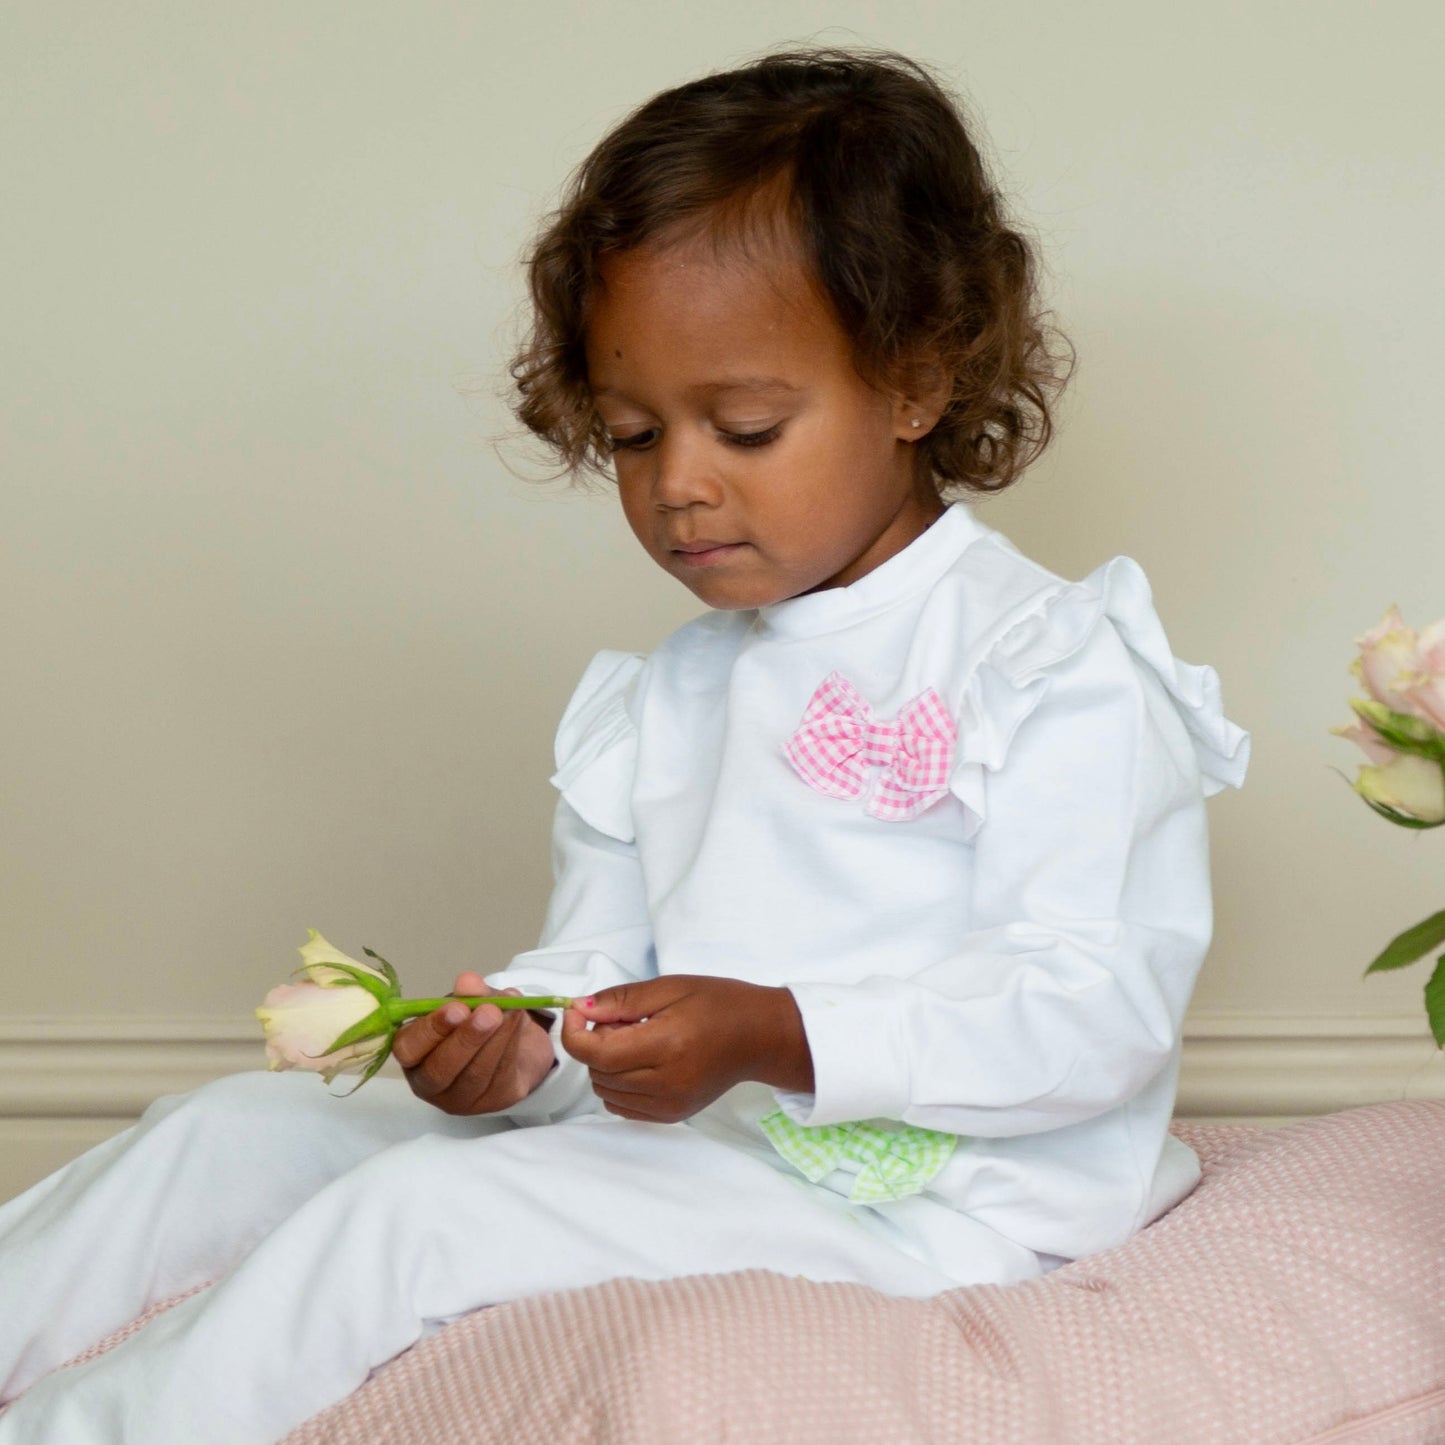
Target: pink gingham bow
{"x":839,"y":739}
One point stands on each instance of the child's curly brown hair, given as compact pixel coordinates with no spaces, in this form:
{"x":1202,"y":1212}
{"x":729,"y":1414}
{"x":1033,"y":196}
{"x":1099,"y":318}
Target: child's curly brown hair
{"x":890,"y":206}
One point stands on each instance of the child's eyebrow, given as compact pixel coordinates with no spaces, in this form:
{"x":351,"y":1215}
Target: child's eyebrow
{"x":725,"y":383}
{"x":746,"y":383}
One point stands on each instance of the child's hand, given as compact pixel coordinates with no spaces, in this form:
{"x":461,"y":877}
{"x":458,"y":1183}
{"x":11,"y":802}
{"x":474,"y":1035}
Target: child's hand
{"x":473,"y":1061}
{"x":665,"y":1048}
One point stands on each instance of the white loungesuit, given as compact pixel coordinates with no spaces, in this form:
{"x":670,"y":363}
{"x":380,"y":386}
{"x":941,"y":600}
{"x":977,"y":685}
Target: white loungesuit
{"x":956,"y":807}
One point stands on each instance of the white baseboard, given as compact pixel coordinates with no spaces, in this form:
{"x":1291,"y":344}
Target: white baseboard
{"x":1238,"y":1066}
{"x":107,"y":1068}
{"x":68,"y":1083}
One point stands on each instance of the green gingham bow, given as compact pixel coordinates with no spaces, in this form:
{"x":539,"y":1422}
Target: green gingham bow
{"x":895,"y":1161}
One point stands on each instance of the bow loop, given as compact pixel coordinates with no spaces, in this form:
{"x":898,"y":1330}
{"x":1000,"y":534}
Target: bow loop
{"x":894,"y":1160}
{"x":839,"y":739}
{"x":827,"y":746}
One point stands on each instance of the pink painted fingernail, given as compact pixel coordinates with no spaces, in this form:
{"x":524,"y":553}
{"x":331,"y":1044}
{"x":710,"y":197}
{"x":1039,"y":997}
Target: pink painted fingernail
{"x":589,"y":1002}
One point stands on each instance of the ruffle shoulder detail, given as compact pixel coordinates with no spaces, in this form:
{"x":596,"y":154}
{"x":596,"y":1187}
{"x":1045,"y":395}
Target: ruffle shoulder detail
{"x":1010,"y":678}
{"x":596,"y":746}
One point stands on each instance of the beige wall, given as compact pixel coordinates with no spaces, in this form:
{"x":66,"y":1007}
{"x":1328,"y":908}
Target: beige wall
{"x":285,"y":642}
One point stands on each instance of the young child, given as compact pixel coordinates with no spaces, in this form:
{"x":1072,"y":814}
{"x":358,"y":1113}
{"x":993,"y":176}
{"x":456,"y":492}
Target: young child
{"x":883,"y":885}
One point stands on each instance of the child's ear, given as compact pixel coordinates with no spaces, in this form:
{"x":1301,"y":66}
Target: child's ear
{"x":925,"y":389}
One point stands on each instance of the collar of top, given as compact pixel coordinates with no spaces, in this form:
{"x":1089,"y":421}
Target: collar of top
{"x":915,"y":569}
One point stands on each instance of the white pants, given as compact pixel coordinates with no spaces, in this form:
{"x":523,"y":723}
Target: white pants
{"x":341,"y":1231}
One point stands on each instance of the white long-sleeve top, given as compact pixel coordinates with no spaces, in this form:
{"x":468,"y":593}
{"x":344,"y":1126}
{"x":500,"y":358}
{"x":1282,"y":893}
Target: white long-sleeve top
{"x":1011,"y":965}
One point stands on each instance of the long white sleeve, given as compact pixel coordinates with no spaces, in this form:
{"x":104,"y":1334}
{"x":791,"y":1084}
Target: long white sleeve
{"x":597,"y":931}
{"x":1091,"y":901}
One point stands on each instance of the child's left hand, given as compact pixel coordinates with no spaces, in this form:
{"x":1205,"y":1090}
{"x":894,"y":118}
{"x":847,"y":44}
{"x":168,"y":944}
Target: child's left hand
{"x":667,"y":1047}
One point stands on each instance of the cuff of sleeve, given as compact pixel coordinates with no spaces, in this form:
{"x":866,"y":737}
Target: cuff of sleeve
{"x":860,"y":1065}
{"x":565,"y":1091}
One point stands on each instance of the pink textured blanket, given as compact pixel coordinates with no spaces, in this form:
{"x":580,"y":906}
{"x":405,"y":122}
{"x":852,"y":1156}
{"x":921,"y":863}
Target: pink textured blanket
{"x":1298,"y":1295}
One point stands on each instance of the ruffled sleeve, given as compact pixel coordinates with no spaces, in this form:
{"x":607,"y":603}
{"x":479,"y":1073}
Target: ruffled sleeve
{"x":1011,"y":678}
{"x":596,"y":747}
{"x":1085,"y":760}
{"x":597,"y":933}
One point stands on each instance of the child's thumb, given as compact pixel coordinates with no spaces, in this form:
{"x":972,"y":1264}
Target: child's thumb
{"x":623,"y":1004}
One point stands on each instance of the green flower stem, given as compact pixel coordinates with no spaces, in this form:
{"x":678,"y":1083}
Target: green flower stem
{"x":410,"y":1008}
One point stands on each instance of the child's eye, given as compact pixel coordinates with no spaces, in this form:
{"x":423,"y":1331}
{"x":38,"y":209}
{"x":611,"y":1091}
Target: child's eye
{"x":636,"y":442}
{"x":640,"y":441}
{"x":754,"y":438}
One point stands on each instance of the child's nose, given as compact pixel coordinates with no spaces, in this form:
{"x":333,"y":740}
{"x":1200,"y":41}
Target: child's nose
{"x":685,"y":471}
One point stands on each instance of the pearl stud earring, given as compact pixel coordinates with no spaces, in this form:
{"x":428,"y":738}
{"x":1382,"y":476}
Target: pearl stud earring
{"x":916,"y":422}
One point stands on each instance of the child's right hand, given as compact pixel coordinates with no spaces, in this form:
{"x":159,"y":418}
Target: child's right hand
{"x":473,"y":1061}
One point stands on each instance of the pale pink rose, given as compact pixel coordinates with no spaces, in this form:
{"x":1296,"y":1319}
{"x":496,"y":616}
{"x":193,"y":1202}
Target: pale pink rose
{"x":1427,"y":697}
{"x":303,"y":1020}
{"x":1375,"y":747}
{"x":1389,"y":662}
{"x":1411,"y":785}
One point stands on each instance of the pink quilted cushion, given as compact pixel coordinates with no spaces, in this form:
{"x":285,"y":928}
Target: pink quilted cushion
{"x":1298,"y":1295}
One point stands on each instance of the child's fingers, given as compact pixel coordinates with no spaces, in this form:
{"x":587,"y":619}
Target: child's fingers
{"x":630,"y":1003}
{"x":584,"y":1046}
{"x":489,"y":1061}
{"x":610,"y":1050}
{"x":416,"y":1038}
{"x":457,"y":1052}
{"x":644,"y":1083}
{"x":630,"y":1106}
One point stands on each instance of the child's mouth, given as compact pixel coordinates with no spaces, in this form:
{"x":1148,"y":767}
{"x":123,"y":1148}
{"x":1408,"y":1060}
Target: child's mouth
{"x":707,"y":555}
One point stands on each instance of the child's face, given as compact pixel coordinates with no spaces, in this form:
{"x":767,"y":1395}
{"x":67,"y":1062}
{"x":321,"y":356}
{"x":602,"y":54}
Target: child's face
{"x":741,"y":428}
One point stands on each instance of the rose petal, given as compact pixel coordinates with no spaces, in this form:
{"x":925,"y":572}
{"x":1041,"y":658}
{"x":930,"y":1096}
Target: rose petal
{"x":1375,"y":747}
{"x":1431,"y":648}
{"x":1389,"y":661}
{"x":1427,"y":701}
{"x":316,"y":953}
{"x":1409,"y":785}
{"x":303,"y":1020}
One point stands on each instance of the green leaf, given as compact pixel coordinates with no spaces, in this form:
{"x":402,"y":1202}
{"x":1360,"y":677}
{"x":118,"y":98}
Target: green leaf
{"x":1413,"y":943}
{"x":1435,"y":1002}
{"x":371,"y":1070}
{"x":386,"y":968}
{"x":378,"y":988}
{"x":372,"y":1026}
{"x":1403,"y":819}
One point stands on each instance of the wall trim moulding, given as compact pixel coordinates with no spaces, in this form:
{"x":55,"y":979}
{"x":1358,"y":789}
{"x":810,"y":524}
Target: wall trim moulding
{"x":1236,"y":1065}
{"x":1240,"y":1066}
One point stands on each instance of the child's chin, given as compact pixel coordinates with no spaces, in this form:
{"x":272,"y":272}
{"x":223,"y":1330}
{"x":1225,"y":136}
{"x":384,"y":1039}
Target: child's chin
{"x":731,"y":595}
